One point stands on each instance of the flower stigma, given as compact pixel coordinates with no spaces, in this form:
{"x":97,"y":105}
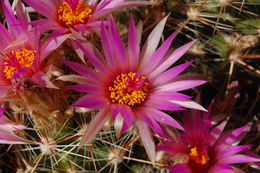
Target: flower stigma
{"x":200,"y":158}
{"x":22,"y":58}
{"x":71,"y":14}
{"x":129,"y":89}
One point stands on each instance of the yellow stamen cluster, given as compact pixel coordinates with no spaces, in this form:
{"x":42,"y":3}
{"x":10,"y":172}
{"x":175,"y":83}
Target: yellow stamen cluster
{"x":8,"y":69}
{"x":199,"y":158}
{"x":129,"y":89}
{"x":69,"y":16}
{"x":24,"y":57}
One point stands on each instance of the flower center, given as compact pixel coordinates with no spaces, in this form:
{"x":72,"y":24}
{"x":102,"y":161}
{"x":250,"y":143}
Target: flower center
{"x":200,"y":157}
{"x":129,"y":89}
{"x":72,"y":14}
{"x":18,"y":59}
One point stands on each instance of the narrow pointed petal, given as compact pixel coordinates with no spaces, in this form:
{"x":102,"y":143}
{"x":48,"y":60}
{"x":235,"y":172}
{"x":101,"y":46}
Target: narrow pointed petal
{"x":231,"y":137}
{"x":230,"y":150}
{"x":163,"y":105}
{"x":152,"y":42}
{"x":96,"y":61}
{"x":150,"y":120}
{"x":238,"y":158}
{"x":158,"y":55}
{"x":223,"y":168}
{"x":216,"y":132}
{"x":94,"y":126}
{"x":133,"y":44}
{"x":9,"y":138}
{"x":188,"y":104}
{"x":181,"y":85}
{"x":52,"y":44}
{"x":5,"y":37}
{"x":89,"y":46}
{"x":45,"y":7}
{"x":8,"y":125}
{"x":10,"y":18}
{"x":107,"y":47}
{"x":22,"y":13}
{"x":168,"y":95}
{"x":126,"y":113}
{"x":83,"y":70}
{"x":90,"y":101}
{"x":147,"y":139}
{"x":119,"y":52}
{"x":168,"y":75}
{"x":177,"y":54}
{"x":163,"y":118}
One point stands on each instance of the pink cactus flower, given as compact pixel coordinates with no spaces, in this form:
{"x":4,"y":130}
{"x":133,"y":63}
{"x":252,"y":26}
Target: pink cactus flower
{"x":80,"y":15}
{"x":22,"y":54}
{"x":132,"y":84}
{"x":203,"y":149}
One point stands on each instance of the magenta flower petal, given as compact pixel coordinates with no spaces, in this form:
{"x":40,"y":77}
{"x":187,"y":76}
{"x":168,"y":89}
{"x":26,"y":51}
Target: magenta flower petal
{"x":7,"y":128}
{"x":45,"y":7}
{"x":183,"y":168}
{"x":22,"y":13}
{"x":13,"y":24}
{"x":5,"y":37}
{"x":152,"y":43}
{"x":126,"y":113}
{"x":232,"y":136}
{"x":177,"y":54}
{"x":120,"y":52}
{"x":152,"y":123}
{"x":147,"y":139}
{"x":225,"y":168}
{"x":98,"y":63}
{"x":230,"y":150}
{"x":169,"y":95}
{"x":238,"y":158}
{"x":163,"y":118}
{"x":181,"y":85}
{"x":188,"y":104}
{"x":9,"y":138}
{"x":163,"y":105}
{"x":83,"y":70}
{"x":107,"y":47}
{"x":133,"y":45}
{"x":216,"y":132}
{"x":52,"y":44}
{"x":158,"y":55}
{"x":90,"y":101}
{"x":170,"y":74}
